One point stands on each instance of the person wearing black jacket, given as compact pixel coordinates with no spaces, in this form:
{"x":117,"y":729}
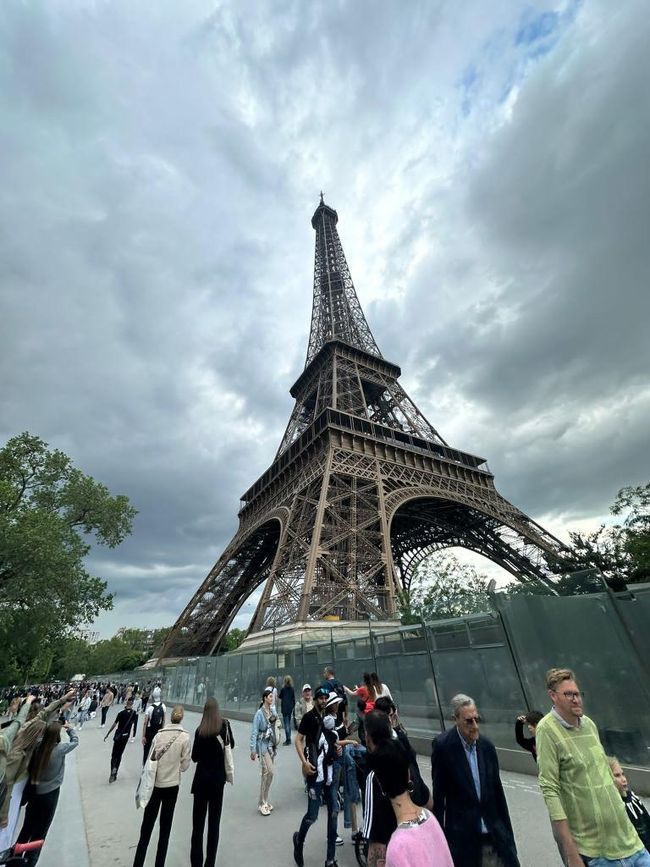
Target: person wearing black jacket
{"x":530,"y":719}
{"x":212,"y":735}
{"x":287,"y":698}
{"x":124,"y":722}
{"x":468,"y":798}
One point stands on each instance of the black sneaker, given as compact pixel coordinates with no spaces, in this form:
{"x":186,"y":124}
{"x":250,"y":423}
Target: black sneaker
{"x":298,"y":857}
{"x":112,"y":777}
{"x":331,"y":864}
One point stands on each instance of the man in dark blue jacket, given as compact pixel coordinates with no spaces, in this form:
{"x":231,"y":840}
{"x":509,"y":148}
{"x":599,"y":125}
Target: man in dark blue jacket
{"x":468,"y":798}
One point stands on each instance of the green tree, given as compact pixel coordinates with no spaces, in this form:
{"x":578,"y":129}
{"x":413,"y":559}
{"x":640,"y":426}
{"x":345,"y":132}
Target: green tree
{"x":49,"y":514}
{"x":442,"y":587}
{"x":232,"y":640}
{"x":621,"y":552}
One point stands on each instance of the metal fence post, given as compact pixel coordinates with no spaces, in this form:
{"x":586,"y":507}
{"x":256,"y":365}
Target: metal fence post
{"x":510,"y":643}
{"x":425,"y":635}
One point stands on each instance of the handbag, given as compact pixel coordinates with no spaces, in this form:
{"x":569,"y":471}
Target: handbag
{"x":148,"y":776}
{"x":228,"y":759}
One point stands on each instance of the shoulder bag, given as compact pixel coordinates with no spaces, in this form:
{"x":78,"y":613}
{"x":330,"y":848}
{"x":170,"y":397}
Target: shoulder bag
{"x":148,"y":776}
{"x":228,"y":759}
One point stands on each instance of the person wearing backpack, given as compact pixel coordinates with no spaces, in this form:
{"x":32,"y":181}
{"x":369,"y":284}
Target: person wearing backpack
{"x":209,"y":752}
{"x":126,"y":720}
{"x":172,"y":753}
{"x":154,"y":721}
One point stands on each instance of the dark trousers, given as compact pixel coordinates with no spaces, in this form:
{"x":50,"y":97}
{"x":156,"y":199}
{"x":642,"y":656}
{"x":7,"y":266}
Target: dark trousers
{"x":212,"y":806}
{"x":104,"y":712}
{"x":286,"y":718}
{"x":147,"y":747}
{"x":38,"y":818}
{"x":165,"y":801}
{"x":330,"y":796}
{"x":118,"y":749}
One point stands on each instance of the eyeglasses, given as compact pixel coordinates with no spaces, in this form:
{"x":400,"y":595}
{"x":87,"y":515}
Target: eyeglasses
{"x":573,"y":695}
{"x":472,"y":720}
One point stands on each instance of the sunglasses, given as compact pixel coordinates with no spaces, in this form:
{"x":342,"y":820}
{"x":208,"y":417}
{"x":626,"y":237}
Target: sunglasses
{"x":472,"y":720}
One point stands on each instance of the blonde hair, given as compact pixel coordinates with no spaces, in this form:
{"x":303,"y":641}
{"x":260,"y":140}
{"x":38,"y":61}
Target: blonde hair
{"x":177,"y":713}
{"x":270,"y":681}
{"x":611,"y":761}
{"x":288,"y":681}
{"x":555,"y":676}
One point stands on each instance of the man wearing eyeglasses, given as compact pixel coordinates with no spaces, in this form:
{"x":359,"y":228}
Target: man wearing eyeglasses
{"x":468,"y":798}
{"x":588,"y":816}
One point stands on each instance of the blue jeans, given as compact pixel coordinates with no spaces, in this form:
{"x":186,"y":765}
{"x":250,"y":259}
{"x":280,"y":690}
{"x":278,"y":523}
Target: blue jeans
{"x":638,"y":859}
{"x":329,"y":795}
{"x":286,"y":718}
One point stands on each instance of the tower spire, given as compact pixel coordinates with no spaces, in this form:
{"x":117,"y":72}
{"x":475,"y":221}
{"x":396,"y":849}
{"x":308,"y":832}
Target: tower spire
{"x":336,"y":312}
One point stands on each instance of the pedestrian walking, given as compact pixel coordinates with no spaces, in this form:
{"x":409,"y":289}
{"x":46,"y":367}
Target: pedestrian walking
{"x":468,"y":798}
{"x":588,"y":817}
{"x":153,"y":722}
{"x":46,"y":772}
{"x":636,"y":811}
{"x":125,"y":722}
{"x":263,"y":745}
{"x":106,"y":702}
{"x":529,"y":720}
{"x":312,"y":748}
{"x":83,"y":711}
{"x":172,"y":751}
{"x":287,"y":698}
{"x":208,"y":751}
{"x":418,"y":838}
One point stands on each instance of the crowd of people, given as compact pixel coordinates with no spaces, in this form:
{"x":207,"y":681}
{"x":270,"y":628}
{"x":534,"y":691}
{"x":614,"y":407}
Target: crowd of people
{"x":352,"y":754}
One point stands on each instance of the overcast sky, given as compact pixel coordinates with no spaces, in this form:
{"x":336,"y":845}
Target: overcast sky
{"x":160,"y":163}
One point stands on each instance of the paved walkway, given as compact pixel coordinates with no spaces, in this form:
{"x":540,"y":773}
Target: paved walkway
{"x":97,"y":825}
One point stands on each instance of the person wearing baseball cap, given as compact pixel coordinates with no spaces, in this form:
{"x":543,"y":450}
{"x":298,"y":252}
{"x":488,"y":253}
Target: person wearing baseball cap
{"x":304,"y":704}
{"x":311,"y":746}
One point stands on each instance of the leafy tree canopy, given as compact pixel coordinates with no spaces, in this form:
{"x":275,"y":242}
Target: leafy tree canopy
{"x":620,"y":551}
{"x":442,"y":587}
{"x":49,"y":514}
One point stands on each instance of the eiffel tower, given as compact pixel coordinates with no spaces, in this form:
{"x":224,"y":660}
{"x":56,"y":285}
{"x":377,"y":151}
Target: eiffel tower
{"x":362,"y":488}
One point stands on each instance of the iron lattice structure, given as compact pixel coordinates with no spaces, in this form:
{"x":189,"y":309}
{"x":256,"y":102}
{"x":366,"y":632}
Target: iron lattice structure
{"x":361,"y":489}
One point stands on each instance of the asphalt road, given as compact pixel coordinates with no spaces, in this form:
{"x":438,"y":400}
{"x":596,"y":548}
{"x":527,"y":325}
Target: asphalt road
{"x":97,"y":825}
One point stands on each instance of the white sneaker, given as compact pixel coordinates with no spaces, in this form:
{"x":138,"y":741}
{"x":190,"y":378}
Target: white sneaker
{"x":264,"y":810}
{"x":339,"y":840}
{"x":270,"y":807}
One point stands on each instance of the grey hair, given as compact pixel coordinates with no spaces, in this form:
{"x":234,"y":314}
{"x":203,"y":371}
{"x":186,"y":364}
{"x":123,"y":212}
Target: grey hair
{"x":459,"y":701}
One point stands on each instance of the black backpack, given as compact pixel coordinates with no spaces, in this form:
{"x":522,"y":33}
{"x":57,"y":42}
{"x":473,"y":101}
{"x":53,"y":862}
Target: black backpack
{"x":157,"y":718}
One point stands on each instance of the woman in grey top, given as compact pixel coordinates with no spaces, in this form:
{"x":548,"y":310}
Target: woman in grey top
{"x":46,"y":774}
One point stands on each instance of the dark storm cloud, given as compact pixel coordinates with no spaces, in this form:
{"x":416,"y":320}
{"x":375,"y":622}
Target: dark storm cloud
{"x":159,"y":172}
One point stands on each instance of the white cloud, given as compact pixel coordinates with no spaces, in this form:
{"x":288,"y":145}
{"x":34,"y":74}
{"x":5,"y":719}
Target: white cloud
{"x":159,"y":172}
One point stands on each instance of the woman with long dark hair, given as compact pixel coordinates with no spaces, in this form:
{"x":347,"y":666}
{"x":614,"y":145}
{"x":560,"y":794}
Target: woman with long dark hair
{"x":46,"y":771}
{"x":210,"y":740}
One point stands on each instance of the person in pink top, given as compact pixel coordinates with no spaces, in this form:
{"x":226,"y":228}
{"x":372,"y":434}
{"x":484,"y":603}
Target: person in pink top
{"x":418,"y":840}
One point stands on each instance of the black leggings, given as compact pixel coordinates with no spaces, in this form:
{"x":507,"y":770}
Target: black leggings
{"x":165,"y":801}
{"x":212,"y":806}
{"x":38,"y":818}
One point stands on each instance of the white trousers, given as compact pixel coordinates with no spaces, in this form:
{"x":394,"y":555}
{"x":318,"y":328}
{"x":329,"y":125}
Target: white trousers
{"x":8,"y":834}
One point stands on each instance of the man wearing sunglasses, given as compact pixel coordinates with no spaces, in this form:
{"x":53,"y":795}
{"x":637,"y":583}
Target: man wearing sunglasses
{"x":588,"y":816}
{"x":468,"y":798}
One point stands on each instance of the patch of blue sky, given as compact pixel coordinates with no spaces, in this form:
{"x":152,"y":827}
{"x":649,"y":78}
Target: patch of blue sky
{"x":468,"y":85}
